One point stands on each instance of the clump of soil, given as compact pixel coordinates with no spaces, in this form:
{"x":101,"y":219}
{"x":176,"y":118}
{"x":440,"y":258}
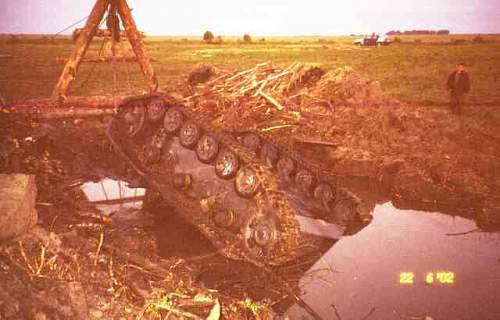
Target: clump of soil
{"x":201,"y":73}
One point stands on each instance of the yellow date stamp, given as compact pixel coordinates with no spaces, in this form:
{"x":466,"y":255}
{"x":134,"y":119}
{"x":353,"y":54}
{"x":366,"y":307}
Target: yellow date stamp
{"x":438,"y":277}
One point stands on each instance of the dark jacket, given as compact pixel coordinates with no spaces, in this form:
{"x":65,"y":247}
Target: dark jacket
{"x":460,"y":85}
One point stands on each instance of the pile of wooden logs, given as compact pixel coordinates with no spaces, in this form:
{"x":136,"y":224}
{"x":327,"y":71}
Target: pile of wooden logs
{"x":299,"y":84}
{"x":264,"y":81}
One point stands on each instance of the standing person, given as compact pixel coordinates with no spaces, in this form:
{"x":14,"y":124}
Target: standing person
{"x":458,"y":84}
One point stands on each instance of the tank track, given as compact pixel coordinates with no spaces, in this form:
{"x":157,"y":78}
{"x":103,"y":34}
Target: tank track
{"x":344,"y":206}
{"x":141,"y":139}
{"x":239,"y":189}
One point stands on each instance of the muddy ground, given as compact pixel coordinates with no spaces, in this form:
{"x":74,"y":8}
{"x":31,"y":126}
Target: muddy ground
{"x":145,"y":264}
{"x":424,"y":158}
{"x":77,"y":263}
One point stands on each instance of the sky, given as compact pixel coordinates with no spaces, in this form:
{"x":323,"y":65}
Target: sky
{"x":264,"y":17}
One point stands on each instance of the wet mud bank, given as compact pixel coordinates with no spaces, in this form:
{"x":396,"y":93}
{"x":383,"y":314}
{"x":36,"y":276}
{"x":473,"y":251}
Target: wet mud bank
{"x":421,"y":158}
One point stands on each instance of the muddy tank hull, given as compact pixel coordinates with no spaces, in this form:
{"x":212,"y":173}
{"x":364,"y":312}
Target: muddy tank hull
{"x":249,"y":200}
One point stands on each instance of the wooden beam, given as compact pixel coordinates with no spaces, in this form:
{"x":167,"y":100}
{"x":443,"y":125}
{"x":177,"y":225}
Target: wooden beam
{"x":81,"y":46}
{"x":137,"y":44}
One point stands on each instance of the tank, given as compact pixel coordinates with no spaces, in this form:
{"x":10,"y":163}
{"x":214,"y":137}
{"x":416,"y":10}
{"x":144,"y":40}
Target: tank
{"x":250,"y":196}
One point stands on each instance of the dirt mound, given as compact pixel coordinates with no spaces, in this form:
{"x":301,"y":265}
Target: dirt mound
{"x":298,"y":86}
{"x":344,"y":85}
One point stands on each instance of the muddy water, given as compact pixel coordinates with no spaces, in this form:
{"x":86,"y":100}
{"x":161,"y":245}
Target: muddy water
{"x":361,"y":275}
{"x":404,"y":265}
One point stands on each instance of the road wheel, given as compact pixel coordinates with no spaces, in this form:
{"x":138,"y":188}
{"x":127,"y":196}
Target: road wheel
{"x":189,"y":134}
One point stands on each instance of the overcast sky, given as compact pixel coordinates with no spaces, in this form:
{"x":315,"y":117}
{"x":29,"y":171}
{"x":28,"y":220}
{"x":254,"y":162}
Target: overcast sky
{"x":264,"y":17}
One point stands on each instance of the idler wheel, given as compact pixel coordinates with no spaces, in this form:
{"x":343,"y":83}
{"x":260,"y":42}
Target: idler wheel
{"x":259,"y":235}
{"x":286,"y":169}
{"x":173,"y":120}
{"x":246,"y":182}
{"x":324,"y":192}
{"x":251,"y":142}
{"x":156,"y":109}
{"x":269,"y":154}
{"x":189,"y":134}
{"x":135,"y":119}
{"x":305,"y":181}
{"x":182,"y":181}
{"x":152,"y":155}
{"x":207,"y":148}
{"x":226,"y":164}
{"x":344,"y":212}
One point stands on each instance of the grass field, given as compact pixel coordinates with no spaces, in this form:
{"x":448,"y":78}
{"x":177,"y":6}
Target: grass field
{"x":414,"y":69}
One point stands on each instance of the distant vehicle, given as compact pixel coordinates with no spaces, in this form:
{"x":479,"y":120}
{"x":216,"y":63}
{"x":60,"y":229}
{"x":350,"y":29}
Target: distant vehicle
{"x":373,"y":40}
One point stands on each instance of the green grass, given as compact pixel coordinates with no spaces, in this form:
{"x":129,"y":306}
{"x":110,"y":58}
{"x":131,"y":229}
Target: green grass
{"x":413,"y":70}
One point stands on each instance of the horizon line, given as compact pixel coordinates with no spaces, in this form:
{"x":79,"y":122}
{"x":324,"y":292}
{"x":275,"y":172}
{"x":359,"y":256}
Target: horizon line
{"x":264,"y":35}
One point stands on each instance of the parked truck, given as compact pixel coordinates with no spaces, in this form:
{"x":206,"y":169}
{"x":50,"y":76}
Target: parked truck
{"x":373,"y":40}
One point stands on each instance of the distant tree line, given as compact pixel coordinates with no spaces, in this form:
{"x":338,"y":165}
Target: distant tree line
{"x":414,"y":32}
{"x":209,"y":37}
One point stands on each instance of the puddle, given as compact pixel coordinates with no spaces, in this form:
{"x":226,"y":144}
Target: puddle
{"x":114,"y":196}
{"x":367,"y":269}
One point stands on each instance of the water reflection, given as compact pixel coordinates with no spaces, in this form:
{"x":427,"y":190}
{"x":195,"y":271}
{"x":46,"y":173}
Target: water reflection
{"x":367,"y":266}
{"x":111,"y":196}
